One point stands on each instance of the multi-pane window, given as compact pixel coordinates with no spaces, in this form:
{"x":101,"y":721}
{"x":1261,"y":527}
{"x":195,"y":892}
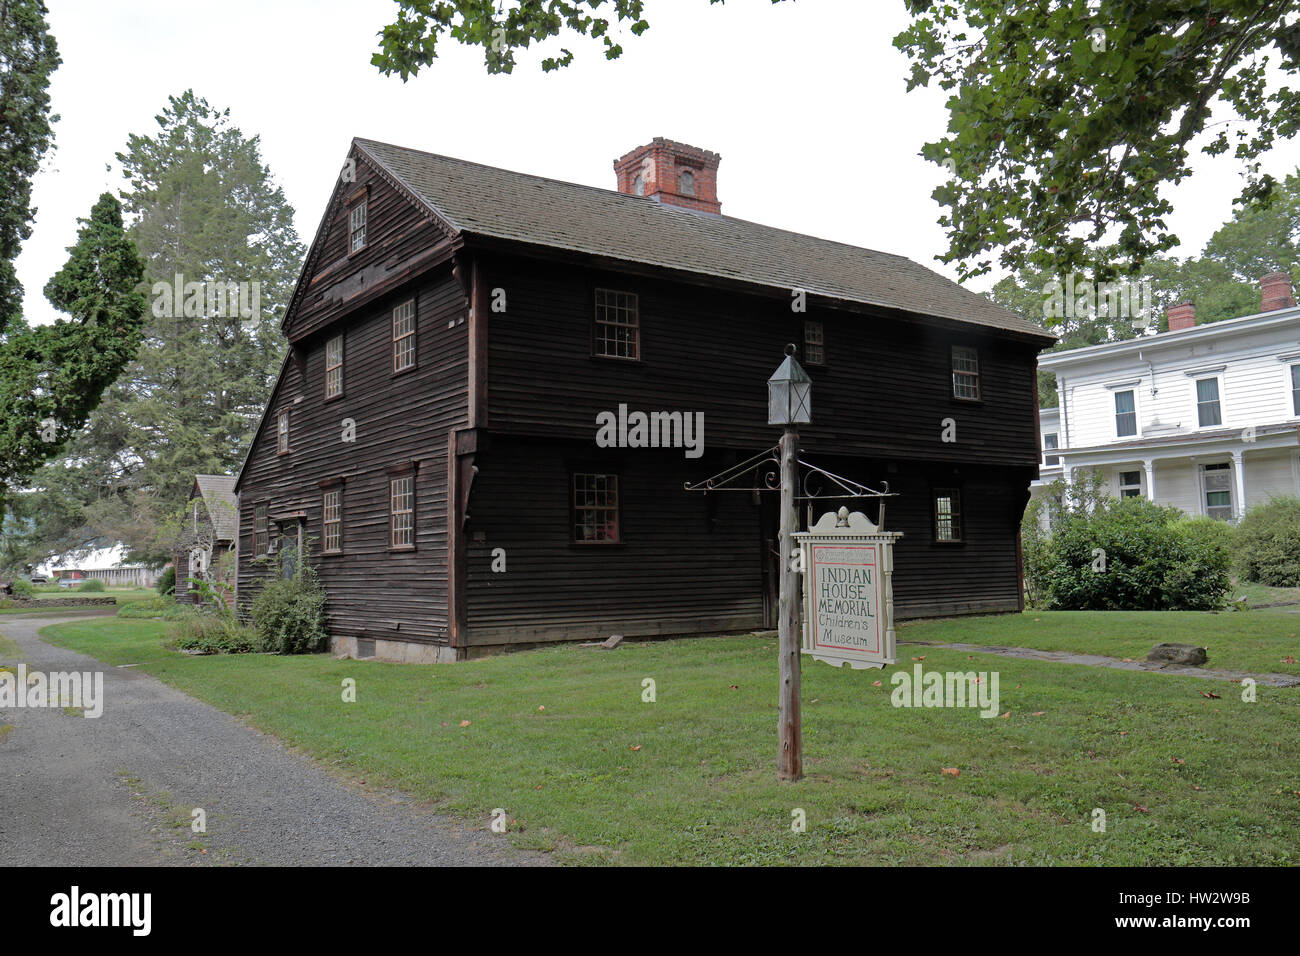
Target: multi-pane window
{"x":1295,"y":389}
{"x":261,"y":530}
{"x":1130,"y":484}
{"x":965,"y":372}
{"x":1126,"y":416}
{"x":357,"y":226}
{"x":1217,"y":480}
{"x":332,"y":519}
{"x":334,"y":367}
{"x":1208,"y":411}
{"x":814,"y":343}
{"x":947,"y":514}
{"x":595,"y":509}
{"x":282,"y":435}
{"x":617,"y":333}
{"x":401,"y":512}
{"x":1050,"y":443}
{"x":404,"y":336}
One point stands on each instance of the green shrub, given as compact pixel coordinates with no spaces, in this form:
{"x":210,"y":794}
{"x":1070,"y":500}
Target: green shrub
{"x":1268,"y":543}
{"x":1130,"y":554}
{"x":211,"y":632}
{"x":91,"y":584}
{"x":24,"y":588}
{"x":289,"y":614}
{"x":167,"y":583}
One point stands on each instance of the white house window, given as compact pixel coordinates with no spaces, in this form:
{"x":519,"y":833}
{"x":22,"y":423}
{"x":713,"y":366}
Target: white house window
{"x":1295,"y":389}
{"x":1126,"y":417}
{"x":404,"y":336}
{"x":1130,"y":484}
{"x":965,"y":372}
{"x":334,"y":367}
{"x":1051,"y":442}
{"x":282,"y":435}
{"x":357,"y":226}
{"x":1208,"y":410}
{"x":1217,"y":481}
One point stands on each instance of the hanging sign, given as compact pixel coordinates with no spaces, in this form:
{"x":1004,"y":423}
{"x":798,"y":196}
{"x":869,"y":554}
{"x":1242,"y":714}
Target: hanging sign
{"x":848,"y":566}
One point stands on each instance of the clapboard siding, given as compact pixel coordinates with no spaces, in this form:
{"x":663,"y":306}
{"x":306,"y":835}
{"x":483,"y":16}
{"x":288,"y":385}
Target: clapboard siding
{"x":372,"y":591}
{"x":885,"y":390}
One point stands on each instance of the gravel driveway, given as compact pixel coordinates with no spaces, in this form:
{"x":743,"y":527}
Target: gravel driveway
{"x":120,"y":789}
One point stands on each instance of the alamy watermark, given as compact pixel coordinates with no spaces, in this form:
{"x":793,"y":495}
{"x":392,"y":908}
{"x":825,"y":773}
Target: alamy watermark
{"x":1078,"y":297}
{"x":21,"y":688}
{"x":624,"y":429}
{"x":210,"y":298}
{"x":946,"y":689}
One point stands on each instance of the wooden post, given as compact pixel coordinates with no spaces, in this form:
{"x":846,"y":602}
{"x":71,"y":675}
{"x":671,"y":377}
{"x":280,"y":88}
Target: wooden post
{"x":790,"y":758}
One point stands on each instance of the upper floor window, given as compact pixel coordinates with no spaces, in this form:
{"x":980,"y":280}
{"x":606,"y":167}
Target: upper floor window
{"x":595,"y":509}
{"x":1208,"y":411}
{"x":1126,"y":418}
{"x":687,"y":183}
{"x":814,"y":343}
{"x":282,"y":435}
{"x":1051,"y":442}
{"x":357,"y":226}
{"x":332,"y":520}
{"x":947,"y":514}
{"x":617,"y":333}
{"x":401,"y":512}
{"x":261,"y":530}
{"x":334,"y":367}
{"x":404,"y":336}
{"x":965,"y":372}
{"x":1295,"y":389}
{"x":1130,"y":484}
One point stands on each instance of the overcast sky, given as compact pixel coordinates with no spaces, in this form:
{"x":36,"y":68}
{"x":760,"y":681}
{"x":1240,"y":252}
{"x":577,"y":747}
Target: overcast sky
{"x":805,"y":102}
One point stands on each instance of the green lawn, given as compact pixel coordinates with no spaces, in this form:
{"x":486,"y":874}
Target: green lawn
{"x":551,"y":735}
{"x":1254,"y":641}
{"x":1256,"y":594}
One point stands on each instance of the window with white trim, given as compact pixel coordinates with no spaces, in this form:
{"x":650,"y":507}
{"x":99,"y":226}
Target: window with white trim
{"x":1295,"y":389}
{"x":1208,"y":410}
{"x":357,"y":226}
{"x":947,"y":514}
{"x":618,"y":326}
{"x":1126,"y":418}
{"x":1130,"y":484}
{"x":334,"y":367}
{"x":332,"y":520}
{"x":1216,"y":479}
{"x":404,"y":336}
{"x":965,"y":373}
{"x":1050,"y":443}
{"x":401,"y":512}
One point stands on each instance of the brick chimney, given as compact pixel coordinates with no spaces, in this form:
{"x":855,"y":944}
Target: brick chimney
{"x":1181,"y":316}
{"x":672,"y":173}
{"x":1275,"y":292}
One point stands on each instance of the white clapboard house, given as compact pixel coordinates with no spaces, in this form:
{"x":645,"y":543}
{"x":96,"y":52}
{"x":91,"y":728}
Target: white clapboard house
{"x":1203,"y":417}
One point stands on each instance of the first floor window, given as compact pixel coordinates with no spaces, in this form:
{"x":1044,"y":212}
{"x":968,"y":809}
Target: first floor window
{"x":965,"y":372}
{"x":947,"y":514}
{"x":1208,"y":411}
{"x":1217,"y":480}
{"x":282,"y":435}
{"x":1130,"y":484}
{"x":332,"y":519}
{"x":334,"y":367}
{"x":814,"y":343}
{"x":1126,"y":416}
{"x":404,"y":336}
{"x":618,"y":332}
{"x":595,"y":509}
{"x":261,"y":531}
{"x":401,"y":509}
{"x":1050,"y":443}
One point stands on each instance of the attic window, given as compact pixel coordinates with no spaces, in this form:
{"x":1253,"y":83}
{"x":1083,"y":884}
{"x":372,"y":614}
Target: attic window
{"x":357,"y":226}
{"x":687,"y":180}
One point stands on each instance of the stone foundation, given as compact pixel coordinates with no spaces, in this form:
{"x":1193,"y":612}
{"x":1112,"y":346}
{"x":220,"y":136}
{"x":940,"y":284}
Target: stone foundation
{"x":395,"y":652}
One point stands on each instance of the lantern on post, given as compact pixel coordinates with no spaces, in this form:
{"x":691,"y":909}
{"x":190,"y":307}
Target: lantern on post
{"x":789,"y":393}
{"x":789,"y":404}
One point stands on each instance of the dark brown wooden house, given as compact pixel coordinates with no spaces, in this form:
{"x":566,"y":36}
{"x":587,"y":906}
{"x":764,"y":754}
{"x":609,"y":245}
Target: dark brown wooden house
{"x":458,"y":332}
{"x":207,"y":535}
